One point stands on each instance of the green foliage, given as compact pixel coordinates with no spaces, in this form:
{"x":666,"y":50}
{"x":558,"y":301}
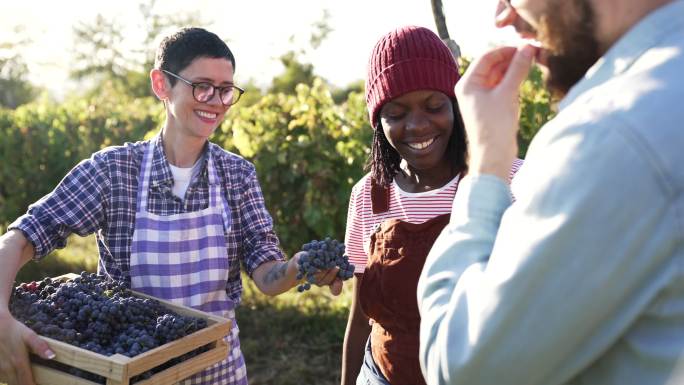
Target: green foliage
{"x":295,"y":338}
{"x":536,"y":108}
{"x":79,"y":255}
{"x":251,"y":96}
{"x":341,"y":94}
{"x":308,"y":153}
{"x":295,"y":73}
{"x":40,"y":142}
{"x":15,"y":89}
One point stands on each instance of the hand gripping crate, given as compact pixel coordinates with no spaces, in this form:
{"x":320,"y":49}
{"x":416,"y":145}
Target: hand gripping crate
{"x":119,"y":369}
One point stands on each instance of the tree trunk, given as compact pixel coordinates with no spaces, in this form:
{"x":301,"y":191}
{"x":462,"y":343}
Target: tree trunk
{"x":442,"y":31}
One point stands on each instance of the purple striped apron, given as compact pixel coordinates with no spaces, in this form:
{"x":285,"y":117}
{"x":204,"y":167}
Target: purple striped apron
{"x":183,"y":258}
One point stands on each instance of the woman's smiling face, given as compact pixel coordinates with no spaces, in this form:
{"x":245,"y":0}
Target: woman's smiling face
{"x":185,"y":112}
{"x":418,"y":125}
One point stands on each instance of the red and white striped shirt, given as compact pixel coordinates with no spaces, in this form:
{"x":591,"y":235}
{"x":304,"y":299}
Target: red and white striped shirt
{"x":405,"y":206}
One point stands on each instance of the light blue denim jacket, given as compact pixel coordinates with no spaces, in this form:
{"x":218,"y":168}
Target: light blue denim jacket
{"x":581,"y":280}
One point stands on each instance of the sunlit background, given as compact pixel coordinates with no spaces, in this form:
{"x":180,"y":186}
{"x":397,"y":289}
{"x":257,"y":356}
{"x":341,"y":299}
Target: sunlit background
{"x":258,"y":31}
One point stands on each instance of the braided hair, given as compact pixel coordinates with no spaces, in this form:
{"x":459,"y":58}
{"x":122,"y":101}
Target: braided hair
{"x":384,"y":161}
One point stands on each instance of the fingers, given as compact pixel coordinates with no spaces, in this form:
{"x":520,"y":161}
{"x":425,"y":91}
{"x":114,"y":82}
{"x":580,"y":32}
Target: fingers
{"x":519,"y":68}
{"x":23,"y":372}
{"x":326,"y":277}
{"x":505,"y":15}
{"x":506,"y":67}
{"x":487,"y":69}
{"x":37,"y":345}
{"x":336,"y":287}
{"x":493,"y":81}
{"x":16,"y":369}
{"x":22,"y":365}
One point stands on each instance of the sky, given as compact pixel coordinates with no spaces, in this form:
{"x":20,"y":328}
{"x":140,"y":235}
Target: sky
{"x":257,"y":31}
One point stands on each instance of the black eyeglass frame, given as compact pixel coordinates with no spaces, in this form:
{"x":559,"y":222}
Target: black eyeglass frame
{"x":214,"y":88}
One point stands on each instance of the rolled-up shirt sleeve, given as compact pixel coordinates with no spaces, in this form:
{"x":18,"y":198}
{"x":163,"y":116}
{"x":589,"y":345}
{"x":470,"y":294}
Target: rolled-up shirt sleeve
{"x":76,"y":205}
{"x":261,"y":243}
{"x":534,"y":291}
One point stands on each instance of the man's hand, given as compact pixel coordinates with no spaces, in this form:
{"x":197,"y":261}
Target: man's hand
{"x":15,"y":339}
{"x":488,"y":100}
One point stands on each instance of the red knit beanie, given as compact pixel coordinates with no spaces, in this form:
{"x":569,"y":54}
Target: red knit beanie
{"x":408,"y":59}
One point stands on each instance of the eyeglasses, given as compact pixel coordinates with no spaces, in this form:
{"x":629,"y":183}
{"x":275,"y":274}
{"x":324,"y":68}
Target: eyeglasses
{"x":203,"y":92}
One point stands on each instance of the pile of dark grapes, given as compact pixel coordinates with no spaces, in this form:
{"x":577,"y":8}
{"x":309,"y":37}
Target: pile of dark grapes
{"x":322,"y":255}
{"x":99,"y":315}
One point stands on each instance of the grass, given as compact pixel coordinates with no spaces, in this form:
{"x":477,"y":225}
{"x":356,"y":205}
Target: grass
{"x":291,"y":339}
{"x":79,"y":255}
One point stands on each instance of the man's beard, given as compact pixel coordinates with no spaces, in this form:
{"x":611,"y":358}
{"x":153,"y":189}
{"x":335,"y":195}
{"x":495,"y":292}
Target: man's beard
{"x":567,"y":33}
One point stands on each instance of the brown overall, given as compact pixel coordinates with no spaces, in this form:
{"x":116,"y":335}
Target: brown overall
{"x":388,"y":290}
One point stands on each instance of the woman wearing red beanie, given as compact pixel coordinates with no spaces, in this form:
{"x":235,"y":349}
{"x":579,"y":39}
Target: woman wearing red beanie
{"x":397,"y":211}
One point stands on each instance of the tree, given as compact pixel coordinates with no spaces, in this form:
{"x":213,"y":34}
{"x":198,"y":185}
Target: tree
{"x":442,"y":30}
{"x":340,"y":95}
{"x":297,"y":72}
{"x":15,"y":89}
{"x":102,"y":49}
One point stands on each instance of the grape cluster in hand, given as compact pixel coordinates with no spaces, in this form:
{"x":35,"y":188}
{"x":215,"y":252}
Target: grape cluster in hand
{"x":322,"y":255}
{"x":99,"y":315}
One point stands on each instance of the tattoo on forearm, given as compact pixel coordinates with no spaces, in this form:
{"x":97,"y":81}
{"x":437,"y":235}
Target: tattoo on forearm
{"x":277,"y":272}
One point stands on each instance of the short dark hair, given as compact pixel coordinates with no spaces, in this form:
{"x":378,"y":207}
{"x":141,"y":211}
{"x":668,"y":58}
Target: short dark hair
{"x":384,"y":161}
{"x":178,"y":50}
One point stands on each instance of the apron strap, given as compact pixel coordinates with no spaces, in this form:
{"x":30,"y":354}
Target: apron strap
{"x":215,"y":192}
{"x":143,"y":180}
{"x":214,"y":185}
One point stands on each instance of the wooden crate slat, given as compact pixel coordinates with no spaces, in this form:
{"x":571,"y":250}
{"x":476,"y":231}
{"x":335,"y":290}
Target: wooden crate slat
{"x":161,"y":354}
{"x":190,"y":367}
{"x":43,"y":375}
{"x":87,"y":360}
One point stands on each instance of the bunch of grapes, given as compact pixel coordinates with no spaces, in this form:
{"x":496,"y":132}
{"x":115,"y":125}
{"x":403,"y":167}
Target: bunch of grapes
{"x":322,"y":255}
{"x":99,"y":315}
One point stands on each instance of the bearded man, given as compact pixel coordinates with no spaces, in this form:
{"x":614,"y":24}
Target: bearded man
{"x":581,"y":279}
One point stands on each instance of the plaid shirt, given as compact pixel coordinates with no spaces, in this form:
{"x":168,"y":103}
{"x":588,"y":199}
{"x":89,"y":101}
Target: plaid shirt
{"x":99,"y":196}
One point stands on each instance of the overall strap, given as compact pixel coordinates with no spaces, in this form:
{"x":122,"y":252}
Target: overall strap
{"x":380,"y":197}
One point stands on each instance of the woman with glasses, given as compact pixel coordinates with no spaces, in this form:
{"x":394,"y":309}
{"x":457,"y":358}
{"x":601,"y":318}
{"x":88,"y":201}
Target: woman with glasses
{"x":175,"y":216}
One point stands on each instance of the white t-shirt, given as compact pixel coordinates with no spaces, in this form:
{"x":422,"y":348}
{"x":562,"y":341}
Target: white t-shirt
{"x":182,"y":178}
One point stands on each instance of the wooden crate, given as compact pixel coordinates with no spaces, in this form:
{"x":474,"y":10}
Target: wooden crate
{"x":119,"y":369}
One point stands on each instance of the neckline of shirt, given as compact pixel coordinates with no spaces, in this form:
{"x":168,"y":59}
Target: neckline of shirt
{"x":448,"y":185}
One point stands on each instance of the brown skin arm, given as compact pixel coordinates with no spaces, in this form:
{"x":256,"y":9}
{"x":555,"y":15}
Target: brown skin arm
{"x":355,"y":338}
